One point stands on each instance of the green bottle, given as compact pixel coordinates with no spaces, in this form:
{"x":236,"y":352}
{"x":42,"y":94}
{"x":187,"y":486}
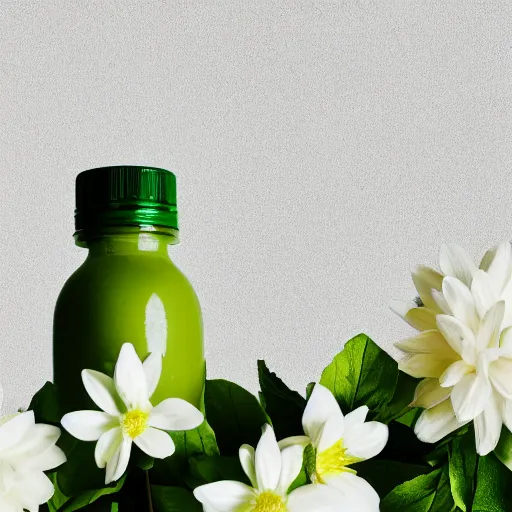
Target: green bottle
{"x":127,"y":289}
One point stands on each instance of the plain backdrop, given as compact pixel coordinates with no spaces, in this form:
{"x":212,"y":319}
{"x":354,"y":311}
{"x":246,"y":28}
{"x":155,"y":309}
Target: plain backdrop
{"x":322,"y":148}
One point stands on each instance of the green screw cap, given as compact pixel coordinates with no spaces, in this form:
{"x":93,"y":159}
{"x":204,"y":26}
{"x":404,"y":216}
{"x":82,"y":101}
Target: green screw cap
{"x":125,"y":196}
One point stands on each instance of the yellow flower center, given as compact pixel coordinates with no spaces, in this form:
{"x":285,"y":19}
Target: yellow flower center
{"x":134,"y":423}
{"x":333,"y":460}
{"x":269,"y":501}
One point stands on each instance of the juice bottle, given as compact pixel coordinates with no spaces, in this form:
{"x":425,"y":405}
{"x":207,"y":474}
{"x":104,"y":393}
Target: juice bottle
{"x":127,"y":289}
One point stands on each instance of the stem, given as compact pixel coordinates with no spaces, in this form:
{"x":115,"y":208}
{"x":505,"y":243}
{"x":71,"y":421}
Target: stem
{"x":148,"y":485}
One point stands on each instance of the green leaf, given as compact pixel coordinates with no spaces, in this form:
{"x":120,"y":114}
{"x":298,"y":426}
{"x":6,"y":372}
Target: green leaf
{"x":385,"y":475}
{"x":46,"y":406}
{"x":140,"y":459}
{"x":504,"y":449}
{"x":425,"y":493}
{"x":234,"y":414}
{"x":174,"y":499}
{"x":493,"y":486}
{"x":89,"y":497}
{"x":59,"y":498}
{"x":216,"y":468}
{"x":284,"y":406}
{"x":174,"y":470}
{"x":302,"y":479}
{"x":443,"y":500}
{"x":361,"y":374}
{"x":439,"y":455}
{"x":402,"y":397}
{"x":410,"y":418}
{"x":309,"y":389}
{"x":309,"y":459}
{"x":80,"y":461}
{"x":462,"y":466}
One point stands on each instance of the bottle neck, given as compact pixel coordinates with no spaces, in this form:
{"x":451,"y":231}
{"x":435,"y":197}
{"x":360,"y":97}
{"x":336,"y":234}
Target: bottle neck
{"x":128,"y":240}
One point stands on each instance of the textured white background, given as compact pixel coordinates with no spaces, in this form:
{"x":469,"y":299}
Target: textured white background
{"x":322,"y":147}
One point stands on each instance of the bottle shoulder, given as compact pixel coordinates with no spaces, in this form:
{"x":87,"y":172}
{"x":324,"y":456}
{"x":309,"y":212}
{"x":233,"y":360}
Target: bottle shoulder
{"x":126,"y":277}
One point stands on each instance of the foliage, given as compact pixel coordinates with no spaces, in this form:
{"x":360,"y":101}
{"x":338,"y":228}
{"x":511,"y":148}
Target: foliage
{"x":410,"y":476}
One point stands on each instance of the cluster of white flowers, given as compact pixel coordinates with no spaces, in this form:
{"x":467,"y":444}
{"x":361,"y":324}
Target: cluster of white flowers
{"x":464,"y":350}
{"x":128,"y":417}
{"x":463,"y":354}
{"x":338,"y":440}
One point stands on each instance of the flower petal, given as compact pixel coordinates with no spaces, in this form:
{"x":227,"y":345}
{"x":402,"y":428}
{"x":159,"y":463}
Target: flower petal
{"x":225,"y":496}
{"x":428,"y":342}
{"x":175,"y":414}
{"x":320,"y":407}
{"x":424,"y":365}
{"x":461,"y":302}
{"x":429,"y":393}
{"x":420,"y":318}
{"x":38,"y":438}
{"x":130,"y":379}
{"x":506,"y":340}
{"x":267,"y":460}
{"x":454,"y":261}
{"x":34,"y":489}
{"x":441,"y":303}
{"x":156,"y":443}
{"x":454,"y":373}
{"x":293,"y":440}
{"x":334,"y":429}
{"x":497,"y":262}
{"x":247,"y":460}
{"x":507,"y":297}
{"x":431,"y":354}
{"x":470,"y":396}
{"x":102,"y":390}
{"x":436,"y":423}
{"x":489,"y":333}
{"x":366,"y":440}
{"x":88,"y":425}
{"x":500,"y":373}
{"x":356,"y":418}
{"x":488,"y":427}
{"x":117,"y":464}
{"x":12,"y":431}
{"x":107,"y":446}
{"x":355,"y":488}
{"x":425,"y":279}
{"x":51,"y":458}
{"x":401,"y":308}
{"x":36,"y":451}
{"x":459,"y":336}
{"x":153,"y":369}
{"x":291,"y":464}
{"x":505,"y":407}
{"x":322,"y":498}
{"x":483,"y":292}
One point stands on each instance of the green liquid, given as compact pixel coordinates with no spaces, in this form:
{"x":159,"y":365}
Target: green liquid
{"x":128,"y":290}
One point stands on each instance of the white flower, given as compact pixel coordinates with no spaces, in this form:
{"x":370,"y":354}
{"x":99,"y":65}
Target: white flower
{"x":271,"y":471}
{"x":464,"y":354}
{"x":341,"y":441}
{"x":495,"y":268}
{"x":128,"y":415}
{"x":27,"y":450}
